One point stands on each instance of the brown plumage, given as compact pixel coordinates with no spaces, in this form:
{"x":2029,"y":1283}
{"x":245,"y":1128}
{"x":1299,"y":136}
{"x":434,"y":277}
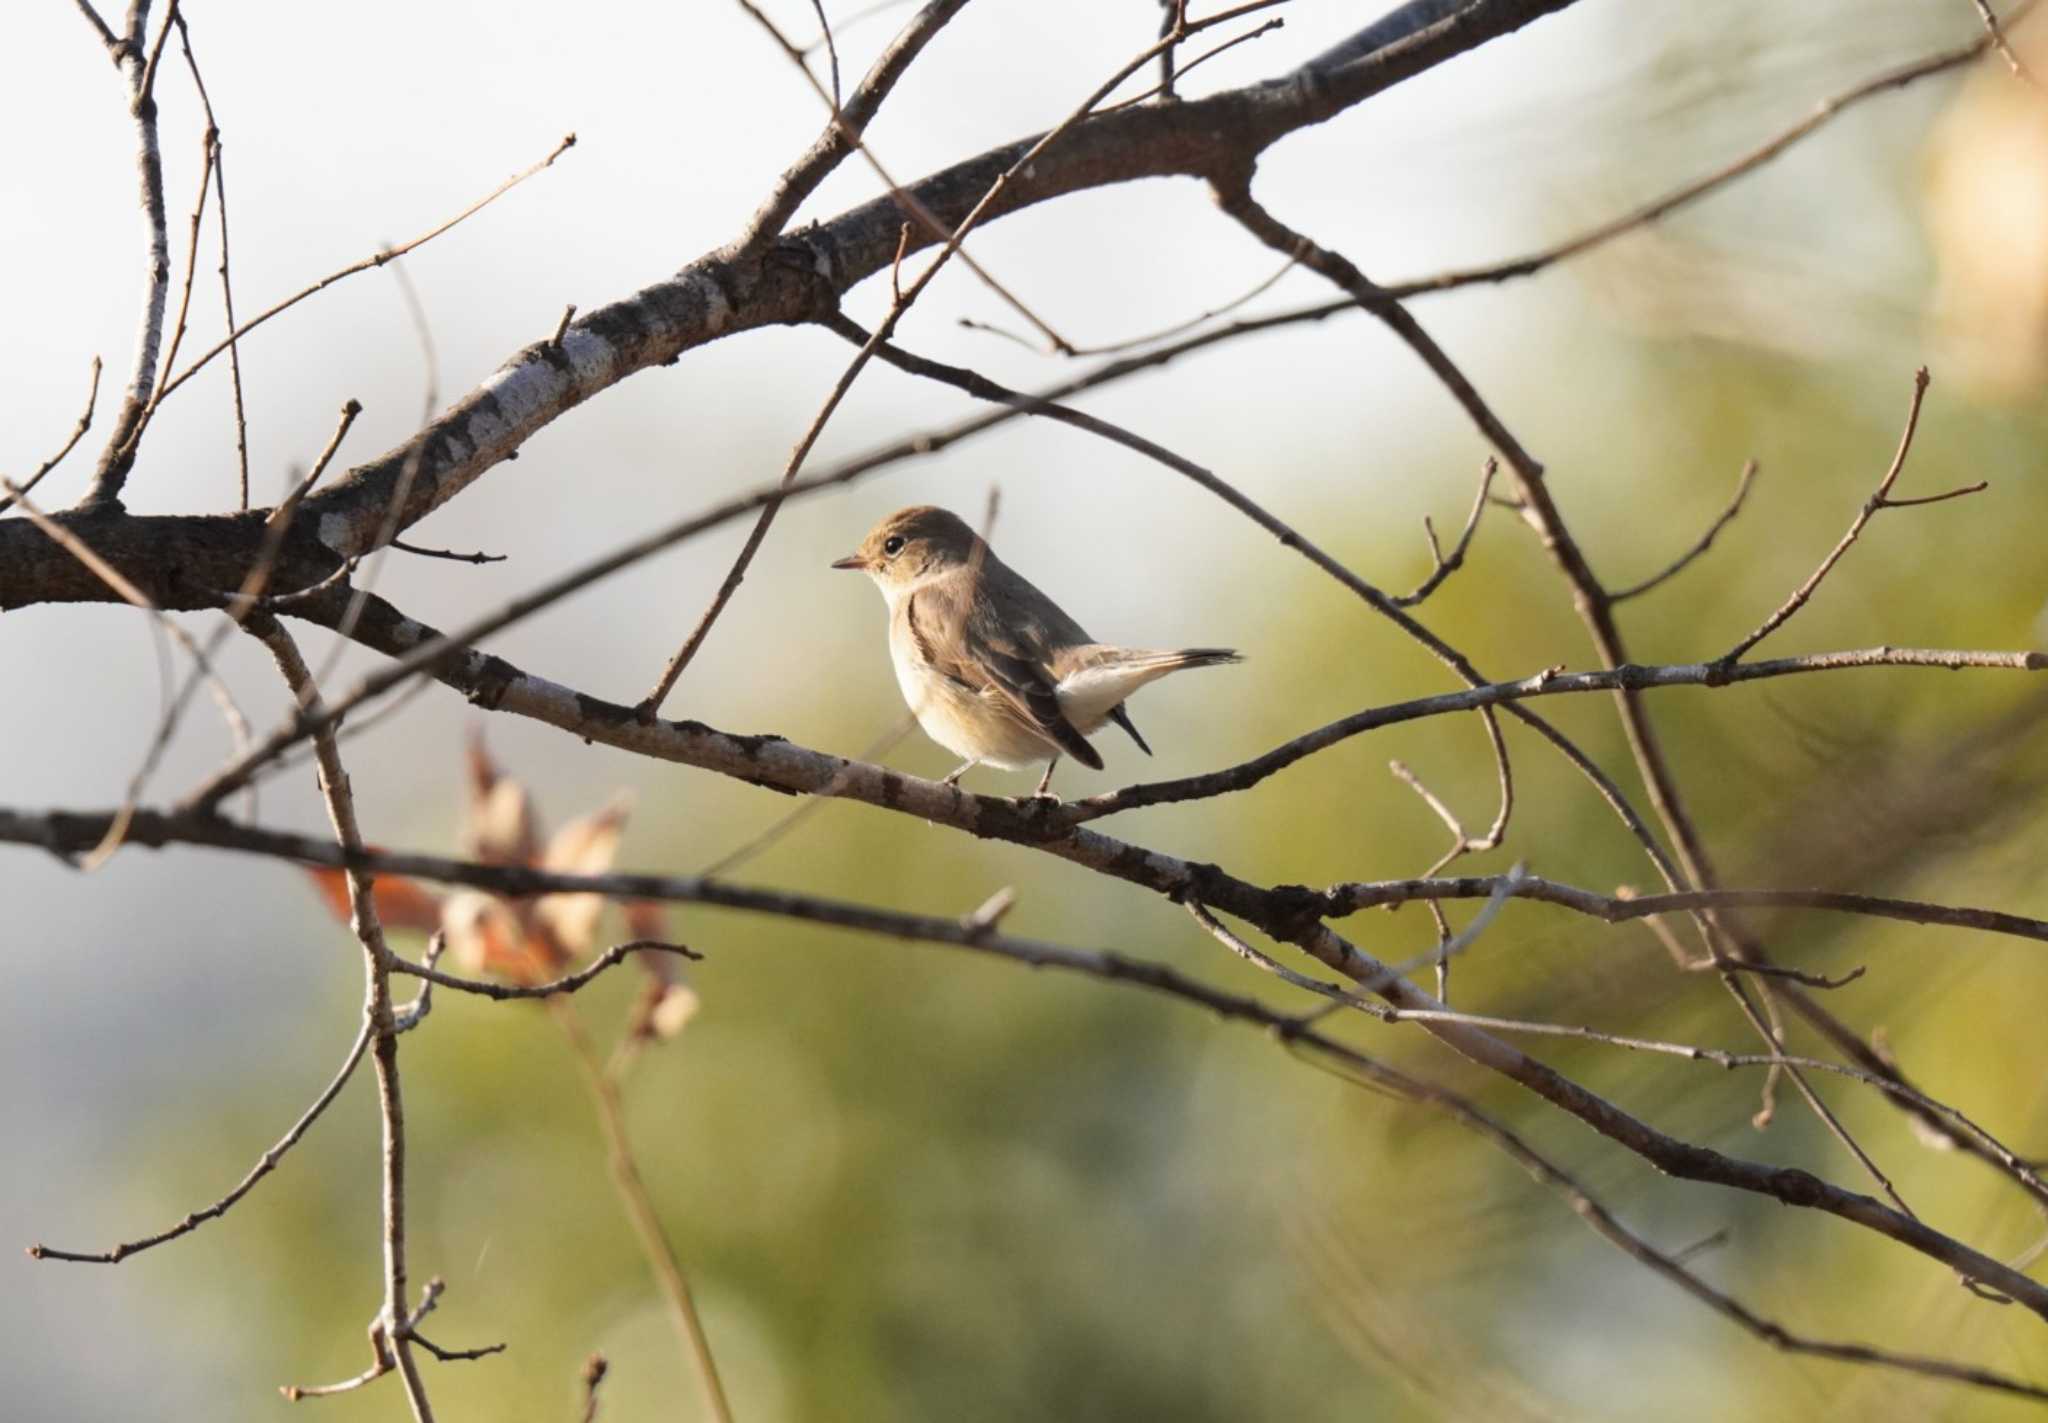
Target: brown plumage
{"x":995,"y":670}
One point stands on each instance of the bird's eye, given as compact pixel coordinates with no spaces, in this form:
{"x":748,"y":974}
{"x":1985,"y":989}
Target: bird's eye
{"x":892,"y":545}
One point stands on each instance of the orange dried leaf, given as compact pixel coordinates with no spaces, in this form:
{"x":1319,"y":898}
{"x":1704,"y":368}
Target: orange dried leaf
{"x":501,"y":828}
{"x":584,"y":846}
{"x":487,"y":936}
{"x":401,"y":903}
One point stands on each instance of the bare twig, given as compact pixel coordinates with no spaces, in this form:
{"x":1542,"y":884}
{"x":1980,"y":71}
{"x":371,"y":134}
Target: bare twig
{"x":2002,"y":45}
{"x":1594,"y":604}
{"x":650,"y":705}
{"x":1173,"y":13}
{"x":277,"y":527}
{"x":1165,"y":88}
{"x":1549,"y":682}
{"x":125,"y":589}
{"x":403,"y":547}
{"x":67,"y":833}
{"x":777,"y":829}
{"x":423,"y":331}
{"x":633,"y":1194}
{"x":567,"y":983}
{"x":383,"y":256}
{"x":209,"y":151}
{"x":407,"y":1016}
{"x":227,"y":285}
{"x":92,"y":398}
{"x":1705,"y":542}
{"x":1134,"y":342}
{"x":380,"y":1020}
{"x":1355,"y":1066}
{"x":1281,"y":911}
{"x":1824,"y":111}
{"x":594,"y":1370}
{"x":129,"y":56}
{"x":237,"y":608}
{"x":1879,"y":499}
{"x":1445,"y":567}
{"x":265,"y":1164}
{"x":107,"y":36}
{"x":831,"y":49}
{"x":844,"y":127}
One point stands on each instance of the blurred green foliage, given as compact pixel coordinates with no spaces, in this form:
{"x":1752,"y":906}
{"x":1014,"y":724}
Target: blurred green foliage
{"x":913,"y":1183}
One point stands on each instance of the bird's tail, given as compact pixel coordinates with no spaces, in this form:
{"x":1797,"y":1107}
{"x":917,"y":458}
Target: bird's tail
{"x":1203,"y":657}
{"x":1098,"y":688}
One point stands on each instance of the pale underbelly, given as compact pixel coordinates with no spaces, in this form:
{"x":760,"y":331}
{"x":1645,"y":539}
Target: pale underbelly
{"x":971,"y":727}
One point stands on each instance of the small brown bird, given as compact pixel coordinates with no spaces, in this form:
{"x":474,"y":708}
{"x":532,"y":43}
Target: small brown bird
{"x":992,"y":668}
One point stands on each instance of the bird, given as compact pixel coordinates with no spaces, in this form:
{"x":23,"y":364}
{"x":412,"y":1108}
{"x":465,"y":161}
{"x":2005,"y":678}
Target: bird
{"x":992,"y":668}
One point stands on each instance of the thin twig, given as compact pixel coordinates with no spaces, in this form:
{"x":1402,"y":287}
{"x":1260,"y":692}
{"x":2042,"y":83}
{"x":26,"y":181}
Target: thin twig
{"x":209,"y":151}
{"x":1445,"y":567}
{"x":779,"y":828}
{"x":1879,"y":499}
{"x":403,"y":547}
{"x":594,"y":1370}
{"x":1705,"y":542}
{"x":92,"y":397}
{"x":831,"y":49}
{"x":650,"y":705}
{"x":1823,"y":112}
{"x":423,"y":331}
{"x":567,"y":983}
{"x":843,"y":128}
{"x":238,"y":724}
{"x":1174,"y":14}
{"x":1217,"y":889}
{"x":237,"y":608}
{"x":379,"y":1019}
{"x":2004,"y":48}
{"x":383,"y":256}
{"x":1234,"y":196}
{"x":1135,"y":342}
{"x":107,"y":36}
{"x":227,"y":285}
{"x":1165,"y":88}
{"x":646,"y":1221}
{"x":129,"y":56}
{"x":1356,"y":1067}
{"x":265,"y":1164}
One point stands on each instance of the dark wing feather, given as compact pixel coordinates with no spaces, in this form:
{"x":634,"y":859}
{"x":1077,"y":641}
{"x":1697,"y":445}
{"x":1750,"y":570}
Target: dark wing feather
{"x":1122,"y":717}
{"x":983,"y":658}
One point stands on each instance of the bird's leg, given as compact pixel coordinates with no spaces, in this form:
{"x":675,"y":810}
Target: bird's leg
{"x":958,"y":771}
{"x":1046,"y":780}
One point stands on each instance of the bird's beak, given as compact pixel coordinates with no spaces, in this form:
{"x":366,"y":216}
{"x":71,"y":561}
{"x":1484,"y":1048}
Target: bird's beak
{"x":852,"y":560}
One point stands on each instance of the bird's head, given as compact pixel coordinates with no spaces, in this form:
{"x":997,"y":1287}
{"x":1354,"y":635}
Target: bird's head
{"x":914,"y":543}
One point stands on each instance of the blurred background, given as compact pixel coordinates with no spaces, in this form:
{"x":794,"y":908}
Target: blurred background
{"x":916,"y":1184}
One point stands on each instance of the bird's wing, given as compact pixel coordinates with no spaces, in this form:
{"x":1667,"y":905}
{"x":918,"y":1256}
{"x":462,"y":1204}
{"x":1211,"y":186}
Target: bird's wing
{"x":965,"y":639}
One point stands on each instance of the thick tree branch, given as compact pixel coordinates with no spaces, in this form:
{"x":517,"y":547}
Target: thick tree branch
{"x":727,"y":291}
{"x":1289,"y":913}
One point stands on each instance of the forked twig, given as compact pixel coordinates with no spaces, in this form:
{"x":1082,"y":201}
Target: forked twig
{"x":1880,"y":498}
{"x":1445,"y":567}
